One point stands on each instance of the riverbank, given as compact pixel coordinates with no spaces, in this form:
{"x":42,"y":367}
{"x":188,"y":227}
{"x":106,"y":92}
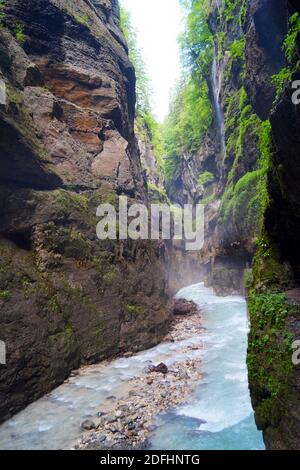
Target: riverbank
{"x":200,"y":402}
{"x":128,"y":422}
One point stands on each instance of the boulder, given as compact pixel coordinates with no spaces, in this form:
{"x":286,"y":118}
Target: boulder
{"x":184,"y":307}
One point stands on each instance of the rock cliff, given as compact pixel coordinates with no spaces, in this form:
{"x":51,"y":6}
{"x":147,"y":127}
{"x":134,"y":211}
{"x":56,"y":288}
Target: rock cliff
{"x":274,"y":297}
{"x":252,"y":200}
{"x":68,"y":144}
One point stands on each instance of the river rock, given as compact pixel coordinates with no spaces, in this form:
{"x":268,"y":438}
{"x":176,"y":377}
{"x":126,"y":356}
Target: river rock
{"x":101,"y":438}
{"x":128,"y":354}
{"x":124,"y":408}
{"x":110,"y":419}
{"x":161,"y":369}
{"x":184,"y":307}
{"x":111,"y":398}
{"x":88,"y":425}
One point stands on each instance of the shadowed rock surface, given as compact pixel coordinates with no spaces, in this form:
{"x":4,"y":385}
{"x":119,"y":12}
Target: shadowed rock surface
{"x":67,"y":145}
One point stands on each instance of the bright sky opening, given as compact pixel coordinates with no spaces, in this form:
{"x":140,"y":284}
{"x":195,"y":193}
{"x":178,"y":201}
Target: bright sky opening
{"x":158,"y":24}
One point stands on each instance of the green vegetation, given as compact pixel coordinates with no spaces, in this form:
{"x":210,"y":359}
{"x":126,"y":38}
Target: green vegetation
{"x":189,"y":118}
{"x":265,"y":143}
{"x":147,"y":127}
{"x":236,"y":52}
{"x":229,"y":10}
{"x":19,"y":33}
{"x":280,"y":79}
{"x":83,"y":19}
{"x":269,"y":272}
{"x":248,"y":280}
{"x":135,"y":309}
{"x":110,"y":277}
{"x":240,"y":123}
{"x":290,"y":48}
{"x":206,"y":178}
{"x":273,"y":309}
{"x":4,"y":295}
{"x":143,"y":86}
{"x":242,"y":203}
{"x":70,"y":200}
{"x":290,"y":42}
{"x":157,"y":194}
{"x":2,"y":14}
{"x":270,"y":352}
{"x":191,"y":110}
{"x":237,"y":49}
{"x":243,"y":12}
{"x":245,"y":197}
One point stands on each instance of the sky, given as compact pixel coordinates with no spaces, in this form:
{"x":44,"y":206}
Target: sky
{"x":158,"y":24}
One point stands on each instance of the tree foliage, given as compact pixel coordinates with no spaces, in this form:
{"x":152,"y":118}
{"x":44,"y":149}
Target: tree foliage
{"x":143,"y":85}
{"x":190,"y":112}
{"x":146,"y":125}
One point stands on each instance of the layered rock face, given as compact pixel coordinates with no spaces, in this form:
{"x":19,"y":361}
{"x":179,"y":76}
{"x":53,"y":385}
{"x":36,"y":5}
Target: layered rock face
{"x":67,"y":145}
{"x":231,"y":157}
{"x":258,"y":213}
{"x":252,"y":201}
{"x":274,"y":300}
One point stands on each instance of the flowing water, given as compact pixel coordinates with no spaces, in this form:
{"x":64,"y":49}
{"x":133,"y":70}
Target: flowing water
{"x":218,"y":415}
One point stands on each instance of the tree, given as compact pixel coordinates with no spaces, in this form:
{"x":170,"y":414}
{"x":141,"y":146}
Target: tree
{"x":190,"y":112}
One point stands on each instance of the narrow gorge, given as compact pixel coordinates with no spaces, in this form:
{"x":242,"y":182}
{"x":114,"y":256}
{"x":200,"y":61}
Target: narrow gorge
{"x":81,"y":317}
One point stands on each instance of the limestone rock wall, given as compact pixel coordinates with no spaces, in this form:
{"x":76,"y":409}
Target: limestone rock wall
{"x":67,"y":144}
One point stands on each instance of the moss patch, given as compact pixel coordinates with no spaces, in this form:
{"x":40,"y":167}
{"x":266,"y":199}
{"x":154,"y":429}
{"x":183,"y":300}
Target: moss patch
{"x":110,"y":277}
{"x":4,"y":295}
{"x":135,"y":309}
{"x":270,"y":355}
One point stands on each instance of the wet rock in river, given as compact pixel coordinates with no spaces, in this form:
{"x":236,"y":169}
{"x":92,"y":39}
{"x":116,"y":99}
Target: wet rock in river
{"x":184,"y":307}
{"x":128,"y":354}
{"x":88,"y":425}
{"x":111,"y":398}
{"x":160,"y":369}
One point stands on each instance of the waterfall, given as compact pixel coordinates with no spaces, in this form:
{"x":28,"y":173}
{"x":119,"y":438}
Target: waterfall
{"x":216,"y":89}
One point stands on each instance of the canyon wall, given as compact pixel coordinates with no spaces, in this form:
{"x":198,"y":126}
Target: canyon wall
{"x":274,"y":297}
{"x":67,"y":145}
{"x":251,"y":153}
